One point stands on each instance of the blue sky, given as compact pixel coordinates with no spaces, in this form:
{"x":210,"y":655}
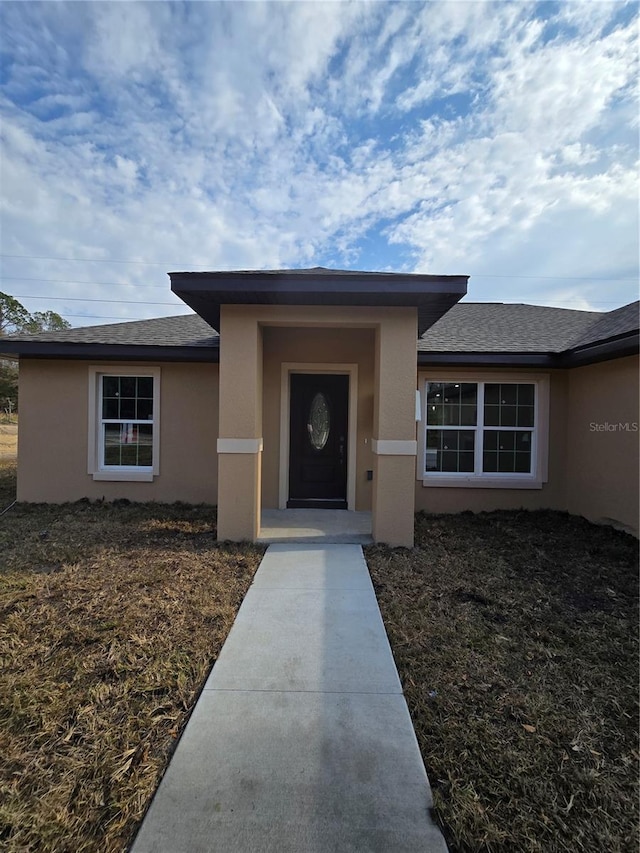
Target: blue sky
{"x":498,"y":140}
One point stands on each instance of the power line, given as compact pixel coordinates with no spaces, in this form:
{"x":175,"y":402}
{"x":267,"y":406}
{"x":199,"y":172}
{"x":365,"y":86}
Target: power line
{"x":553,"y":277}
{"x":97,"y":260}
{"x":178,"y":304}
{"x":73,"y":281}
{"x":121,"y":319}
{"x":139,"y":319}
{"x":82,"y":299}
{"x":47,"y":298}
{"x":164,"y":287}
{"x":187,"y":266}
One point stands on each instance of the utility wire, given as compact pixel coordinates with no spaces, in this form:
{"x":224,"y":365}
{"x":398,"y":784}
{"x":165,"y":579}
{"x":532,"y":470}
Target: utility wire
{"x":47,"y":298}
{"x":121,"y":319}
{"x":72,"y":281}
{"x":98,"y":261}
{"x":83,"y":299}
{"x":189,"y":266}
{"x":186,"y":314}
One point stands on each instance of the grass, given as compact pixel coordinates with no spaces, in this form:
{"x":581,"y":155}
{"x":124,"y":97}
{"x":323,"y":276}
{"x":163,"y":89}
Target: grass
{"x":7,"y":484}
{"x":110,"y":619}
{"x":8,"y":438}
{"x":515,"y":635}
{"x":516,"y":639}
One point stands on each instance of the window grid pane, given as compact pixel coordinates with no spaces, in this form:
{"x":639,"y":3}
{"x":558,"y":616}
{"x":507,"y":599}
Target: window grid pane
{"x":127,"y":415}
{"x":506,"y":422}
{"x":452,"y":403}
{"x":450,"y":450}
{"x":506,"y":451}
{"x":128,"y":444}
{"x":509,"y":404}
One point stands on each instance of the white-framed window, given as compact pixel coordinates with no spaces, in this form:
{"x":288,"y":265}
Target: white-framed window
{"x":488,"y":431}
{"x":124,"y":423}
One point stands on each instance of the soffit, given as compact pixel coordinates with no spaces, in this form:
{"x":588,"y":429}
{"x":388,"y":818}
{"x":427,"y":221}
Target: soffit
{"x":431,"y":295}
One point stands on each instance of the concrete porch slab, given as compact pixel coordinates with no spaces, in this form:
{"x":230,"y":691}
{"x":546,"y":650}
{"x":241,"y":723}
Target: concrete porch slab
{"x":315,"y":526}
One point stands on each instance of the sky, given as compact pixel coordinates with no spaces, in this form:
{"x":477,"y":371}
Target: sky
{"x":497,"y":140}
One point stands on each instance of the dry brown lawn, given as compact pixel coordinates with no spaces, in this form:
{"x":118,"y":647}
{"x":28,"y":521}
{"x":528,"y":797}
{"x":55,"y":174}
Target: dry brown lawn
{"x":8,"y":440}
{"x":110,"y":619}
{"x":515,"y":635}
{"x":516,"y":638}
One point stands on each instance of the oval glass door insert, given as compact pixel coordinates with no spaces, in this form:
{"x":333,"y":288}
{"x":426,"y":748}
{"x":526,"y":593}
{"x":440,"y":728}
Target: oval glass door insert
{"x":319,"y":421}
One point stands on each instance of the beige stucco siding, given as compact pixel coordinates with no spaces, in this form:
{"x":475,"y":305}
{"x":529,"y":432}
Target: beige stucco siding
{"x":54,"y":424}
{"x":602,"y":443}
{"x":592,"y":439}
{"x":394,"y":428}
{"x":316,"y":346}
{"x":552,"y":493}
{"x":380,"y":344}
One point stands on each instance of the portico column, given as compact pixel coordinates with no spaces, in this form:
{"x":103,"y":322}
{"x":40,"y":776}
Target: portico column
{"x":394,"y":430}
{"x":240,"y":425}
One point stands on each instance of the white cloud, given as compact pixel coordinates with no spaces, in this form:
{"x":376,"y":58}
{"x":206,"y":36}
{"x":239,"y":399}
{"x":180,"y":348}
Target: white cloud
{"x":455,"y":137}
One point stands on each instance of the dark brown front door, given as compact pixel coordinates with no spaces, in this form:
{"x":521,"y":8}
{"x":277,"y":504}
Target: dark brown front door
{"x":318,"y":441}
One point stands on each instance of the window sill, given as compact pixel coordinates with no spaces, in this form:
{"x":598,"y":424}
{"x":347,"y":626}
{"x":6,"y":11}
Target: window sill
{"x":124,"y":476}
{"x":481,"y":483}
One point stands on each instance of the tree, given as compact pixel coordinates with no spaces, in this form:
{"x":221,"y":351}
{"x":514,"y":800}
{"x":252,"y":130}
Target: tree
{"x":13,"y":315}
{"x":8,"y":386}
{"x":48,"y":321}
{"x":15,"y":319}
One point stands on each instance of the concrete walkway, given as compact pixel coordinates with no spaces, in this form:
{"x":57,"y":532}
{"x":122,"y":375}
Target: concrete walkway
{"x":301,"y":741}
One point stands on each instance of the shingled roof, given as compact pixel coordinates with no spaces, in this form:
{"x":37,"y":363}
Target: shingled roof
{"x":500,"y":333}
{"x":468,"y":332}
{"x":622,"y":321}
{"x":184,"y":338}
{"x":498,"y":327}
{"x":188,"y":330}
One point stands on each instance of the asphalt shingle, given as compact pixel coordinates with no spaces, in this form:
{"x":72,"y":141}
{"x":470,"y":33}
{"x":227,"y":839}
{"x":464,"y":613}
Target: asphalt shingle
{"x":622,"y":321}
{"x":186,"y":330}
{"x":503,"y":328}
{"x":467,"y":327}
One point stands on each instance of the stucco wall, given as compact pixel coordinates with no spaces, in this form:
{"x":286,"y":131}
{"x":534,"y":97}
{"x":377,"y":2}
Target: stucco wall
{"x":52,"y":451}
{"x":602,"y":455}
{"x":318,"y":335}
{"x":550,"y":496}
{"x":592,"y":470}
{"x":308,"y":346}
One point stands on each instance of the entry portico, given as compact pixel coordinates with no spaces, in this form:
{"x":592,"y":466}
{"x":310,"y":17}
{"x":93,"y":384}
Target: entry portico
{"x":280,"y":446}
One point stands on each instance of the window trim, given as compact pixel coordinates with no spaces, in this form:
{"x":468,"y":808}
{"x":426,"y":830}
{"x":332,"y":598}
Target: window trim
{"x":120,"y":473}
{"x":489,"y":480}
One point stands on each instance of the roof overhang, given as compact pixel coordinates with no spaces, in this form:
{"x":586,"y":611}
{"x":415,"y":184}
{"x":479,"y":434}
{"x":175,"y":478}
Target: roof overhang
{"x":486,"y":359}
{"x":431,"y":295}
{"x":618,"y":347}
{"x":107,"y":352}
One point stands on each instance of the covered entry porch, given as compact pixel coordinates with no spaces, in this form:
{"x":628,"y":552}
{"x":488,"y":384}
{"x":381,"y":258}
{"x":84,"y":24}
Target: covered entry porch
{"x":317,"y":396}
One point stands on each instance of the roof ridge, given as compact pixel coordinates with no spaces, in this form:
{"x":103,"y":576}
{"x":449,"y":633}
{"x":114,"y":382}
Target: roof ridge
{"x":605,"y":319}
